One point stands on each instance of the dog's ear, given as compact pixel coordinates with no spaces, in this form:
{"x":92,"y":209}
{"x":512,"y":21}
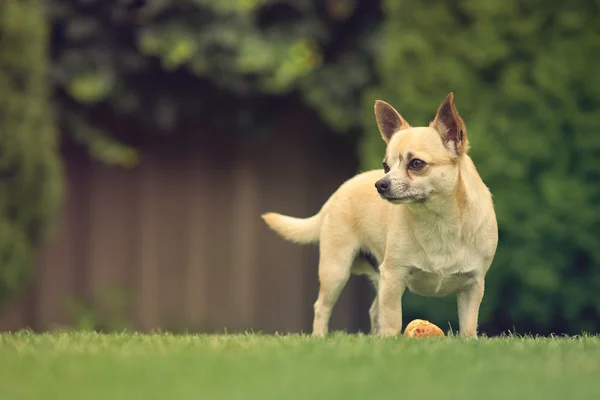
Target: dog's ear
{"x":451,"y":127}
{"x":389,"y":120}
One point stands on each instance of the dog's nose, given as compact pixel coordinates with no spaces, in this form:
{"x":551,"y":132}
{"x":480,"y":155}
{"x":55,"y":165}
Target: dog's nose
{"x":382,"y":185}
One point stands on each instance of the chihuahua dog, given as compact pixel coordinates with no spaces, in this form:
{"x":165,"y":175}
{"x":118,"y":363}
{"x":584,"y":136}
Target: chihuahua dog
{"x":426,"y":223}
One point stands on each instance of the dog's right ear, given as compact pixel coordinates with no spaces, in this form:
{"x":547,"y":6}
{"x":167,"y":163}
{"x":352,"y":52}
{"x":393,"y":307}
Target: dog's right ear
{"x":389,"y":120}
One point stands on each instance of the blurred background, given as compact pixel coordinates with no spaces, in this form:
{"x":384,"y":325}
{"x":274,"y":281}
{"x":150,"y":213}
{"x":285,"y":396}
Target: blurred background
{"x":141,"y":140}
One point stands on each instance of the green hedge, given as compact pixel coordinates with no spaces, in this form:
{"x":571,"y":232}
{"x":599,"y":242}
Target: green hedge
{"x":525,"y":76}
{"x":30,"y":174}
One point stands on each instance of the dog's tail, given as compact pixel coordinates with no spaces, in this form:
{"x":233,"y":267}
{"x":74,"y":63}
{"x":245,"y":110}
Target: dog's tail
{"x":297,"y":230}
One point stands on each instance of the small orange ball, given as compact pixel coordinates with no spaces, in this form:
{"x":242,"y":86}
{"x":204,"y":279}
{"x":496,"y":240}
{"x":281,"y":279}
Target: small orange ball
{"x":422,"y":328}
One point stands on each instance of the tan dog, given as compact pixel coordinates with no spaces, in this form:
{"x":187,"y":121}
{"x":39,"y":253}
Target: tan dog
{"x":434,"y":232}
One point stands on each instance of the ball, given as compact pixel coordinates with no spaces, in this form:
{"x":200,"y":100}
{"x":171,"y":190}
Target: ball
{"x":421,"y":328}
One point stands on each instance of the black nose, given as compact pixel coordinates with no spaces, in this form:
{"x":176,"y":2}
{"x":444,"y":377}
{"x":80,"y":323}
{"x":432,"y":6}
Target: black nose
{"x":382,"y":185}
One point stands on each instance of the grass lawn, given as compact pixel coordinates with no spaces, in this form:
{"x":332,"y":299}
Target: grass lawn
{"x":123,"y":366}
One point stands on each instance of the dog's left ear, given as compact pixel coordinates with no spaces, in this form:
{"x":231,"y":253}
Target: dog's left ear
{"x":451,"y":127}
{"x":389,"y":120}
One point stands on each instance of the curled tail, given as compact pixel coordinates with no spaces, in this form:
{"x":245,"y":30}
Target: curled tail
{"x":298,"y":230}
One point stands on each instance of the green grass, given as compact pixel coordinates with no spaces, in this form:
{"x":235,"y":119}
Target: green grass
{"x":123,"y":366}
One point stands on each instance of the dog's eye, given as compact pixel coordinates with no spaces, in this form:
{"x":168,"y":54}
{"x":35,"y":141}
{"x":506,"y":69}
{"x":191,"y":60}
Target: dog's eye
{"x":416,"y":164}
{"x":386,"y":168}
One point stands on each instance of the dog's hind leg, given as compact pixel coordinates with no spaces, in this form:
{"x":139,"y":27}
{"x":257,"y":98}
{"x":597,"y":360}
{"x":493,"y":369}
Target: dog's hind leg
{"x":337,"y":254}
{"x":374,"y":309}
{"x":367,"y":265}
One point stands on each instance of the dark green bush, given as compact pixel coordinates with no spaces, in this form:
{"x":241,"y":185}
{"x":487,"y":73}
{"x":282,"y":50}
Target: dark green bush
{"x":30,"y":176}
{"x":525,"y":77}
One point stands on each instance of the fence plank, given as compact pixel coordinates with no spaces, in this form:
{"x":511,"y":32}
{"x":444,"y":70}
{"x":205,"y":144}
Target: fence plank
{"x":198,"y":237}
{"x":218,"y":250}
{"x":171,"y":245}
{"x":147,"y":273}
{"x":63,"y":259}
{"x":245,"y":220}
{"x":112,"y":239}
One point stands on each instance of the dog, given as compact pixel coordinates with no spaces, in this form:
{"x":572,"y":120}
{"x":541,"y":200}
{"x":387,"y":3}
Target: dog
{"x":425,"y":222}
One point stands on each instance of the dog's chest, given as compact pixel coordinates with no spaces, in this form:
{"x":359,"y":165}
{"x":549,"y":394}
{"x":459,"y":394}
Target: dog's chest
{"x":438,"y":267}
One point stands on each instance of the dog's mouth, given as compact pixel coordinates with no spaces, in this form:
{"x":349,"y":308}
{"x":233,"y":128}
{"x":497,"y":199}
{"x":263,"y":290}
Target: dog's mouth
{"x":412,"y":198}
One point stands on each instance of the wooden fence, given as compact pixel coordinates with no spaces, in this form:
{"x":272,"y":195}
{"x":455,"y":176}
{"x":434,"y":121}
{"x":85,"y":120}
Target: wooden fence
{"x":181,"y":236}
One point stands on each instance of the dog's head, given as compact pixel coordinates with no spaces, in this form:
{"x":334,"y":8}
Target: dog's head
{"x":420,"y":162}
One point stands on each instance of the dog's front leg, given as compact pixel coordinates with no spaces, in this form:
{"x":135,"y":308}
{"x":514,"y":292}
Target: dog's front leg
{"x":391,"y":289}
{"x":469,"y":299}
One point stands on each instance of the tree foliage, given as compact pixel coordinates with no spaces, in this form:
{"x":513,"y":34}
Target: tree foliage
{"x":169,"y":60}
{"x":525,"y":78}
{"x":30,"y":178}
